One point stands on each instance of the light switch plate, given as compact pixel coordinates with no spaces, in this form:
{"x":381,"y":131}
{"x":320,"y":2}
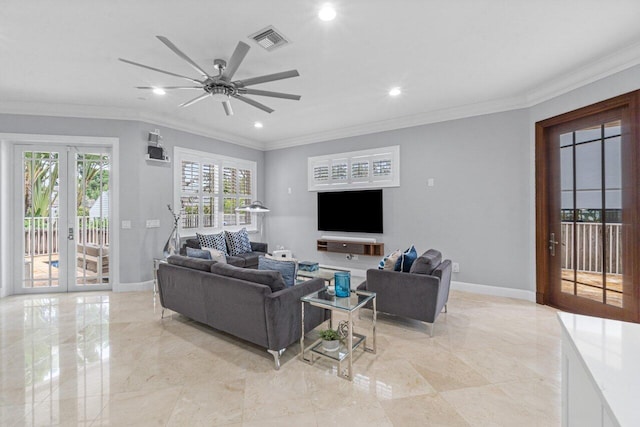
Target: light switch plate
{"x":153,"y":223}
{"x":126,"y":224}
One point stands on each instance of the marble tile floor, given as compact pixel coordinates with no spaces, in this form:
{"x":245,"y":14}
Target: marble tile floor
{"x":105,"y":358}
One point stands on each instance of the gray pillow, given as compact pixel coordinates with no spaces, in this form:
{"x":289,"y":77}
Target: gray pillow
{"x":427,"y":262}
{"x":273,"y":279}
{"x":195,"y":263}
{"x":198,"y":253}
{"x":286,"y":268}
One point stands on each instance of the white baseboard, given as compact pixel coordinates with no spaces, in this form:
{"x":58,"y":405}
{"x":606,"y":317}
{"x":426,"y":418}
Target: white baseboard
{"x":133,"y":287}
{"x":494,"y":291}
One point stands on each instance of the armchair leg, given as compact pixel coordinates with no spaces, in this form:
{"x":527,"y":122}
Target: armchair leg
{"x":445,"y":309}
{"x":276,"y":356}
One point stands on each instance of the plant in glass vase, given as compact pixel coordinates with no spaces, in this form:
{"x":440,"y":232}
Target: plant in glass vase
{"x":173,"y":242}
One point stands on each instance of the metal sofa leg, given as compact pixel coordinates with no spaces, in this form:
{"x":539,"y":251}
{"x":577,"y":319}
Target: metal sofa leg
{"x":431,"y":330}
{"x":445,"y":309}
{"x":276,"y":356}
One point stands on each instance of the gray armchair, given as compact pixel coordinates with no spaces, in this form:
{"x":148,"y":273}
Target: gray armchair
{"x":420,"y":294}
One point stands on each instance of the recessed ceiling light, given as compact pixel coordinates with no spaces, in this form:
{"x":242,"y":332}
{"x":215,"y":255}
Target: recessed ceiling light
{"x":327,"y":13}
{"x":257,"y":125}
{"x":159,"y":91}
{"x":395,"y":91}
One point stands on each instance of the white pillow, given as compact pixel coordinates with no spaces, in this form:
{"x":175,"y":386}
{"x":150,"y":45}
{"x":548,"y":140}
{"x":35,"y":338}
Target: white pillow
{"x":217,"y":255}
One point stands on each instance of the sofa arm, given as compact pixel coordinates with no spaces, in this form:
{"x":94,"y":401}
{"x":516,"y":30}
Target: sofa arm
{"x":283,"y":313}
{"x":259,"y":247}
{"x":405,"y":294}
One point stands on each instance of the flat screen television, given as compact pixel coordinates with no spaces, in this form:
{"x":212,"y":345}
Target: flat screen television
{"x":351,"y":211}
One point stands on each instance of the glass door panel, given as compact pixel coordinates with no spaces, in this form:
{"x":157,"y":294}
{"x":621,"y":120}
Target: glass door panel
{"x":590,"y":213}
{"x":91,"y":207}
{"x":40,"y":186}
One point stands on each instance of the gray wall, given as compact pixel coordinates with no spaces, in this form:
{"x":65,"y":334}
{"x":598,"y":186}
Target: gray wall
{"x":476,"y":213}
{"x":145,"y":187}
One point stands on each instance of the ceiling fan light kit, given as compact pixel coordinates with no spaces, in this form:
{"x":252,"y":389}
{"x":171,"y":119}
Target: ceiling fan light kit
{"x":221,"y":87}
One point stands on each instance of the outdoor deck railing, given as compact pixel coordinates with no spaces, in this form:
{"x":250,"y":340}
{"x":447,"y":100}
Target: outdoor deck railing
{"x":588,"y":255}
{"x":41,"y":234}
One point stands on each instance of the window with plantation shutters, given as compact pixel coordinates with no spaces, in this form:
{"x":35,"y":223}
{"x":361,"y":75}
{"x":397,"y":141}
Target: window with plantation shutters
{"x":378,"y":167}
{"x":210,"y":188}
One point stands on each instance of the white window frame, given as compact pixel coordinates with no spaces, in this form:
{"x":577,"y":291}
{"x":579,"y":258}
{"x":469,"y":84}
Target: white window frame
{"x":369,"y":157}
{"x":181,"y":154}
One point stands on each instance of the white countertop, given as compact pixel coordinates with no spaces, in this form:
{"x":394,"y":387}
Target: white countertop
{"x":610,"y":350}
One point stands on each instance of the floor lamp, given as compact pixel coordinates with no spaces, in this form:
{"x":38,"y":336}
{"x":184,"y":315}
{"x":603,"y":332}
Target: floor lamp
{"x":256,"y":207}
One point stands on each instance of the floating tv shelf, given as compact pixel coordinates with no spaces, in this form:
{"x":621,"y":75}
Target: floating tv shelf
{"x":351,"y":247}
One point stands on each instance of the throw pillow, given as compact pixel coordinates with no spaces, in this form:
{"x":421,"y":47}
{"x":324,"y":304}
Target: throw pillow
{"x":405,"y":260}
{"x":216,"y":241}
{"x":238,"y":242}
{"x":389,"y":262}
{"x":198,"y":253}
{"x":288,"y":269}
{"x":216,"y":255}
{"x":427,"y":262}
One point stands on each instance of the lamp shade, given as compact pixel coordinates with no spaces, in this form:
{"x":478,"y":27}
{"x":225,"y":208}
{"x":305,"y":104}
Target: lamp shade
{"x":256,"y":206}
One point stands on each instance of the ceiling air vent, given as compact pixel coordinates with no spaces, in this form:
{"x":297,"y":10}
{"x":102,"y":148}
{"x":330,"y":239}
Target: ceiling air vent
{"x":269,"y":38}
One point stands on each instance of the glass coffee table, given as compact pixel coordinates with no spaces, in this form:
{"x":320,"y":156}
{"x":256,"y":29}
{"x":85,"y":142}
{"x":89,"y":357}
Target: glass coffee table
{"x":349,"y":306}
{"x":325,"y":273}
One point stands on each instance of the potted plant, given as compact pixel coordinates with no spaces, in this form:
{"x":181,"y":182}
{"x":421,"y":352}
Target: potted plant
{"x":330,"y":339}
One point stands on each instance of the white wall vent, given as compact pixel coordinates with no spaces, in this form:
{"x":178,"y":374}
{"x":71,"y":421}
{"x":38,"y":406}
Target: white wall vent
{"x":270,"y":38}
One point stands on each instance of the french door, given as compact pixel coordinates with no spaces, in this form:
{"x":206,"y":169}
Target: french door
{"x":587,"y":210}
{"x":62,"y":218}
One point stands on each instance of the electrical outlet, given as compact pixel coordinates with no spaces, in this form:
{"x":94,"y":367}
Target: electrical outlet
{"x":126,"y":224}
{"x":455,"y":267}
{"x":153,"y":223}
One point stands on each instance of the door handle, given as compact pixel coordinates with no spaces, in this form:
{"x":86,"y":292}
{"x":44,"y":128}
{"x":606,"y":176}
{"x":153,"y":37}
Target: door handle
{"x":552,"y":244}
{"x":70,"y":234}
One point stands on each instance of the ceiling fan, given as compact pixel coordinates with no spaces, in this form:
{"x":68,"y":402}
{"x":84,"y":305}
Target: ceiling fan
{"x":221,"y":87}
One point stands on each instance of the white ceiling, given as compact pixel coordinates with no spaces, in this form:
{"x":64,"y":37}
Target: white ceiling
{"x":451,"y":58}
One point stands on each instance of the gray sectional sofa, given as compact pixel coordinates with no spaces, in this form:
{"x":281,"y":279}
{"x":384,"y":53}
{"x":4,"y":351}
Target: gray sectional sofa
{"x":247,"y":260}
{"x":253,"y":305}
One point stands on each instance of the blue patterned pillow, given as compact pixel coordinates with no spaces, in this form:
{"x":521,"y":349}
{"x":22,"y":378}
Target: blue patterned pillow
{"x":215,"y":241}
{"x":389,"y":262}
{"x":198,"y":253}
{"x":238,"y":242}
{"x":406,"y":259}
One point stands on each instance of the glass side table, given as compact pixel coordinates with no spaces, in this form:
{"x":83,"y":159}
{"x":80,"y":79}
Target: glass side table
{"x":348,"y":305}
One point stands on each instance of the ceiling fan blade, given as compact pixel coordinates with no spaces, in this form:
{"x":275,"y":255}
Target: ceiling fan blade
{"x":182,"y":55}
{"x":227,"y":108}
{"x":194,"y":100}
{"x":254,"y":103}
{"x":169,"y":87}
{"x":272,"y":94}
{"x":159,"y":70}
{"x":235,"y":61}
{"x":267,"y":78}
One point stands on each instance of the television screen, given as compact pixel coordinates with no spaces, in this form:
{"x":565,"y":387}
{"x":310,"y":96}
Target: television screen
{"x":352,"y":211}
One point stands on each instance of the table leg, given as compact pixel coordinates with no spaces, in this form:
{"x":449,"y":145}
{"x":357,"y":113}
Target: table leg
{"x":350,"y":345}
{"x":302,"y":334}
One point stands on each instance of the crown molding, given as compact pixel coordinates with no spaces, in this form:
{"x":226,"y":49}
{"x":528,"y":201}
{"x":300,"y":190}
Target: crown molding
{"x":593,"y":71}
{"x":460,"y":112}
{"x":117,"y":113}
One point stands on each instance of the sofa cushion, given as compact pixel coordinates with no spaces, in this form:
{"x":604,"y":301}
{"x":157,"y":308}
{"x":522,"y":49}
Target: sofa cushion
{"x":389,"y":262}
{"x":406,"y":259}
{"x":271,"y":278}
{"x":198,"y":253}
{"x":427,"y":262}
{"x":250,"y":258}
{"x":192,"y":243}
{"x":195,"y":263}
{"x":216,"y":241}
{"x":288,"y":269}
{"x":236,"y":261}
{"x":238,"y":242}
